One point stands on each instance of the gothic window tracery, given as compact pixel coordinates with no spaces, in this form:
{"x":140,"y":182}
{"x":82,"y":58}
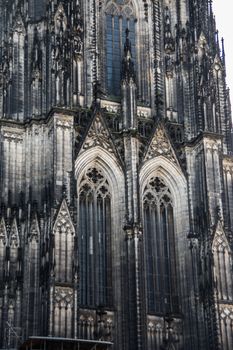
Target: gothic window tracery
{"x":119,"y":16}
{"x":158,"y":217}
{"x":95,"y":239}
{"x":64,"y":243}
{"x":222,"y":266}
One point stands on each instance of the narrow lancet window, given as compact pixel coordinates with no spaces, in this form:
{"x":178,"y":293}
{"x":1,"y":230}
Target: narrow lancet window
{"x":95,"y":239}
{"x":119,"y":16}
{"x":160,"y":248}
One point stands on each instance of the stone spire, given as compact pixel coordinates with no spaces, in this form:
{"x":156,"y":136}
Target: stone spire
{"x":128,"y":87}
{"x":128,"y":71}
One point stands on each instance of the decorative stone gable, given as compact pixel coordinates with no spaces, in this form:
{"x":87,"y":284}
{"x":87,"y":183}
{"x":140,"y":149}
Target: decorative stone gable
{"x":34,"y":229}
{"x":220,"y":242}
{"x":98,"y":135}
{"x":3,"y":232}
{"x":63,"y":220}
{"x":14,"y":235}
{"x":160,"y":145}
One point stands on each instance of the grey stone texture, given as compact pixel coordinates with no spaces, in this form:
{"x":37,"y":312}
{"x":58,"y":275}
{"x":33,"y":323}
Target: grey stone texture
{"x":116,"y":212}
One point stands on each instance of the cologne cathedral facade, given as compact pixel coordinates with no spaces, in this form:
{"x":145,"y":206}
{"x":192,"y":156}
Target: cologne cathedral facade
{"x":116,"y":176}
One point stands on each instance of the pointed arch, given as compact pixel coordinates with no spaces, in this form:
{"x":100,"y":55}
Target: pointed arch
{"x":173,"y":176}
{"x":111,"y":8}
{"x":135,"y":4}
{"x":222,"y":256}
{"x":100,"y":197}
{"x":106,"y":160}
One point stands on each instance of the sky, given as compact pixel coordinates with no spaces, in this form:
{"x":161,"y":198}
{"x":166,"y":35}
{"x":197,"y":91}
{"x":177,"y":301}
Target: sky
{"x":223,"y":15}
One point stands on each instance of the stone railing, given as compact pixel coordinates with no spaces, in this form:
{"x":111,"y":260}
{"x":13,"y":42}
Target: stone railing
{"x":96,"y":324}
{"x":162,"y":332}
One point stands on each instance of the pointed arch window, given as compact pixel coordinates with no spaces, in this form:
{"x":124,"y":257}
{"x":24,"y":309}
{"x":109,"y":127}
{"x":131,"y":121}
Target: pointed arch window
{"x":95,"y":239}
{"x":222,"y":266}
{"x":119,"y":16}
{"x":158,"y":216}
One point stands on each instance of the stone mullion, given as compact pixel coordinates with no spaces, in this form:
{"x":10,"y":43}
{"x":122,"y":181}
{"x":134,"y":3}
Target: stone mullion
{"x":225,"y":268}
{"x":18,"y":311}
{"x":198,"y":317}
{"x":132,"y":312}
{"x":27,"y":285}
{"x":96,"y":267}
{"x":36,"y":289}
{"x":138,"y":278}
{"x":226,"y":209}
{"x":51,"y":294}
{"x":154,"y":248}
{"x":230,"y":187}
{"x":219,"y":273}
{"x":134,"y":248}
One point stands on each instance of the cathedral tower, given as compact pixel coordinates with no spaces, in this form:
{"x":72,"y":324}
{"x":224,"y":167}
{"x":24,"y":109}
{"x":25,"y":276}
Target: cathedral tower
{"x":116,"y":176}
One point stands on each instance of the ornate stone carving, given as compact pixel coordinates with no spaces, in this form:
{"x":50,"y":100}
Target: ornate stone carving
{"x":14,"y":235}
{"x":78,"y":33}
{"x":220,"y":242}
{"x":112,"y":107}
{"x":63,"y":123}
{"x":63,"y":296}
{"x":3,"y":232}
{"x":212,"y":145}
{"x":98,"y":135}
{"x":156,"y":192}
{"x":158,"y":330}
{"x":12,"y":135}
{"x":94,"y":180}
{"x":125,"y":8}
{"x":63,"y":222}
{"x":160,"y":146}
{"x":144,"y":112}
{"x":226,"y":312}
{"x":94,"y":322}
{"x":19,"y":25}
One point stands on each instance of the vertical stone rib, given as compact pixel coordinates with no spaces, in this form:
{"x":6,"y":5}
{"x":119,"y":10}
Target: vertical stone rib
{"x":158,"y":62}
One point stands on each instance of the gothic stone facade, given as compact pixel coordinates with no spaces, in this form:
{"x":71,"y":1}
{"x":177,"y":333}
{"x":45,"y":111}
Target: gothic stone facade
{"x":116,"y":174}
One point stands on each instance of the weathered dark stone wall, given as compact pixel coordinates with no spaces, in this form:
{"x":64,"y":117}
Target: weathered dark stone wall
{"x":76,"y":166}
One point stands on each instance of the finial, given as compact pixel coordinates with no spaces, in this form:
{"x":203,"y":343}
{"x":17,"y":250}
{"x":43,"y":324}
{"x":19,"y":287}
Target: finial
{"x":223,"y":51}
{"x":217,"y":41}
{"x":127,"y":46}
{"x":128,"y":71}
